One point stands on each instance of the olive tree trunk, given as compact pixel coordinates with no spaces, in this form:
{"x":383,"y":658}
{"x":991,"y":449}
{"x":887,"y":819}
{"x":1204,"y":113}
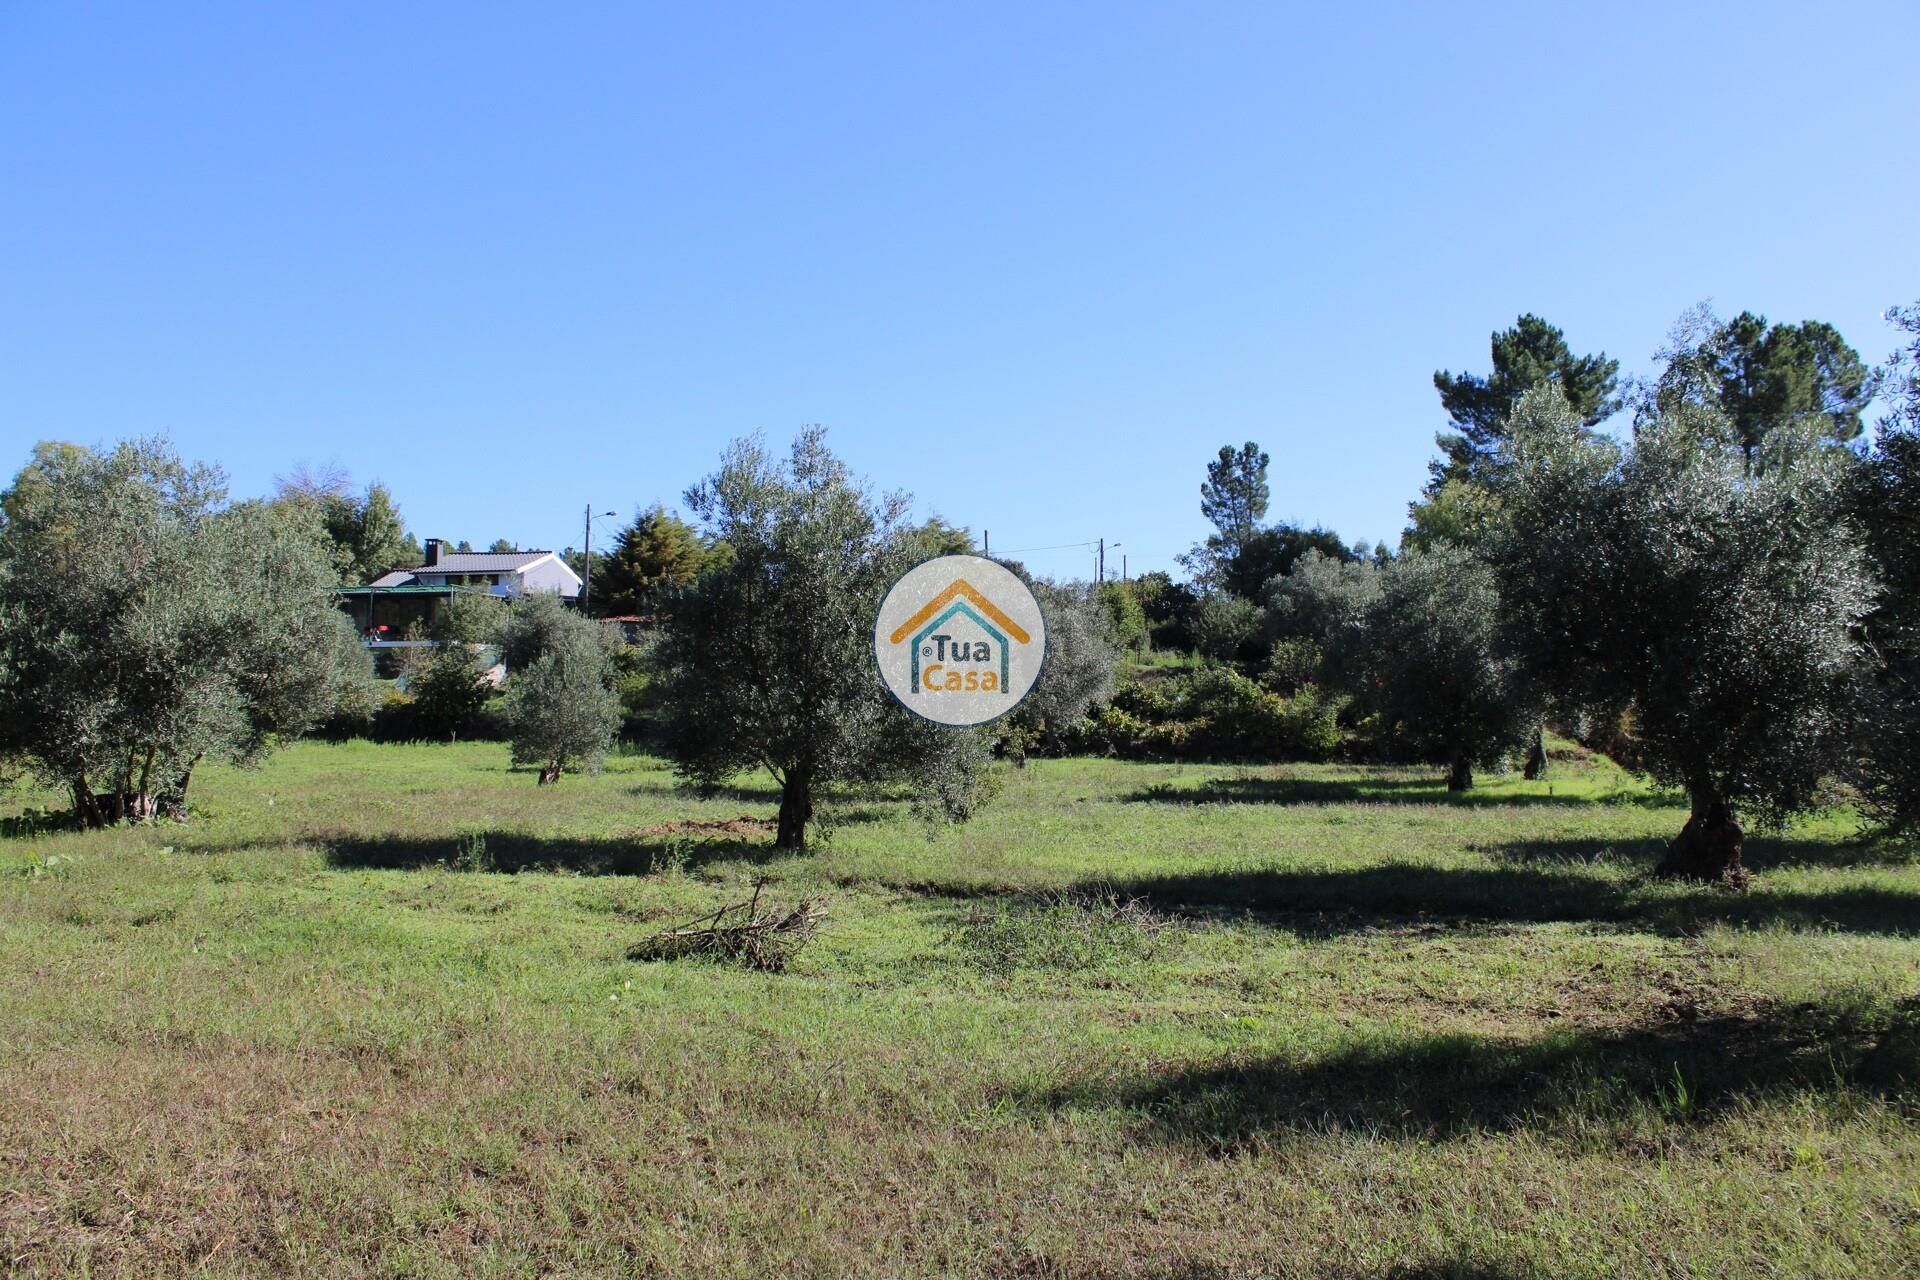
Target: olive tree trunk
{"x":1460,"y":776}
{"x":1708,"y":848}
{"x":174,"y":803}
{"x":796,"y":809}
{"x":1537,"y":755}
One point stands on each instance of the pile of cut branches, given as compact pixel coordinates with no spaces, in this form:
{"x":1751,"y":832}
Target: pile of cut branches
{"x":739,"y":932}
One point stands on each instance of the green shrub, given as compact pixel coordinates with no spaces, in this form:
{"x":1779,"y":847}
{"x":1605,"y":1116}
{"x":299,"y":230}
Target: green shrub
{"x":1312,"y":718}
{"x":1214,"y":714}
{"x":1295,"y":661}
{"x":1125,"y":618}
{"x":1109,"y":731}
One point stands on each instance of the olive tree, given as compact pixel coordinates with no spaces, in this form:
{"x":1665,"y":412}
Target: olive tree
{"x":1322,"y":600}
{"x":1432,"y":663}
{"x":1888,"y":507}
{"x":1222,"y":623}
{"x":1718,"y":600}
{"x":1082,"y":648}
{"x":766,"y":658}
{"x":561,"y":710}
{"x":535,"y":624}
{"x":146,"y":625}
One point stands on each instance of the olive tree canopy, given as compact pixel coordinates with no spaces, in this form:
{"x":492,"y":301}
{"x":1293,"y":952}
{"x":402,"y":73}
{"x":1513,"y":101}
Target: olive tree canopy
{"x":1433,"y":665}
{"x":1888,"y":507}
{"x":1719,"y":601}
{"x":561,"y":710}
{"x":1082,"y":648}
{"x":767,"y":656}
{"x":146,"y":625}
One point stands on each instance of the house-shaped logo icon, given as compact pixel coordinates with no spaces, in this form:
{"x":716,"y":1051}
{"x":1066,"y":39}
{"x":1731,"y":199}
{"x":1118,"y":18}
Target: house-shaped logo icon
{"x":959,"y":640}
{"x":959,"y":600}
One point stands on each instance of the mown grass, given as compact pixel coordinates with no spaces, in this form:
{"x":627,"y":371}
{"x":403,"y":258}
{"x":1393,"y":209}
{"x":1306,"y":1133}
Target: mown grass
{"x":370,"y":1013}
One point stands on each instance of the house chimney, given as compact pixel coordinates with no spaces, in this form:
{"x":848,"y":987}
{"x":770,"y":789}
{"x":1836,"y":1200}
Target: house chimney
{"x":433,"y":552}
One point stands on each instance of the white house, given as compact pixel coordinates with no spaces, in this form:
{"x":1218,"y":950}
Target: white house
{"x":504,"y":573}
{"x":389,"y":607}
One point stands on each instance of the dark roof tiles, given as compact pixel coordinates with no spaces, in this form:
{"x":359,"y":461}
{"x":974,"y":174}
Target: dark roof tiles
{"x":480,"y":562}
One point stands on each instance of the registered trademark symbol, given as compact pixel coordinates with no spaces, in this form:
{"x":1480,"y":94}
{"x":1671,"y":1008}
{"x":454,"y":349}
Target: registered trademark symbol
{"x":926,"y":651}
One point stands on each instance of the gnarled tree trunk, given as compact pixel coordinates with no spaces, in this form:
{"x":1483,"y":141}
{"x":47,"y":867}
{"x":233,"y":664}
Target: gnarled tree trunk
{"x":87,"y":809}
{"x":1537,"y":755}
{"x":550,"y":774}
{"x":796,"y":809}
{"x":1708,"y":848}
{"x":1460,"y":776}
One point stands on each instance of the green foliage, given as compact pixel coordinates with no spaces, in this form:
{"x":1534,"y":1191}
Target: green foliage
{"x":938,"y":538}
{"x":365,"y":536}
{"x":1887,"y":507}
{"x":1432,"y":665}
{"x":469,"y":617}
{"x":1243,"y":555}
{"x":447,"y":693}
{"x":1325,"y":601}
{"x":1294,"y":661}
{"x":1079,"y":670}
{"x":1235,"y":493}
{"x":1126,"y":619}
{"x":766,"y":658}
{"x":561,"y":711}
{"x":1168,"y":606}
{"x":1271,"y":552}
{"x":1764,"y":377}
{"x":656,"y":554}
{"x":145,"y":625}
{"x":1213,"y":713}
{"x":1461,"y":512}
{"x":1531,"y":354}
{"x":1719,"y":600}
{"x":1222,"y":624}
{"x":535,"y":625}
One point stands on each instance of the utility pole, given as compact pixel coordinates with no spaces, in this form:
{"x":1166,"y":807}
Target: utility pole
{"x":1103,"y":560}
{"x":1123,"y":568}
{"x":586,"y":567}
{"x":986,"y":544}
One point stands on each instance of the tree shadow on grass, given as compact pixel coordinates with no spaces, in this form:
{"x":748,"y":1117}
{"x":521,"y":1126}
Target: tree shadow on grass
{"x":1333,"y":901}
{"x":510,"y":852}
{"x":1762,"y":854}
{"x":1363,"y":791}
{"x":1444,"y":1087}
{"x":1344,"y":900}
{"x":762,"y":793}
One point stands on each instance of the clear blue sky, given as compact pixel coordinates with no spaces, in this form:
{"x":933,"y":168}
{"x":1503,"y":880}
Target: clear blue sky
{"x":1034,"y":263}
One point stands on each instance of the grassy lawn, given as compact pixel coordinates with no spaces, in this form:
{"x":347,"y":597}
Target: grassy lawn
{"x":371,"y":1013}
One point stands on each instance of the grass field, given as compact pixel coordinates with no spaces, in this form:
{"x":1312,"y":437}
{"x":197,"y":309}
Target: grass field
{"x":371,"y":1014}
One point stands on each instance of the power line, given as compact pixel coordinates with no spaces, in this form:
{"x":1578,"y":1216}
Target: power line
{"x":1058,"y":546}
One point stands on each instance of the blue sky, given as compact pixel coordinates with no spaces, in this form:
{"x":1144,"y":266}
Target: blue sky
{"x":1034,"y":263}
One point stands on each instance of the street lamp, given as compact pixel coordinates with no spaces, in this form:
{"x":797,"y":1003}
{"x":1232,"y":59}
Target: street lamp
{"x":586,"y":575}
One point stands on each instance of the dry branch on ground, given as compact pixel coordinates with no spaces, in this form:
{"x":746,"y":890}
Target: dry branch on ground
{"x":740,"y":932}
